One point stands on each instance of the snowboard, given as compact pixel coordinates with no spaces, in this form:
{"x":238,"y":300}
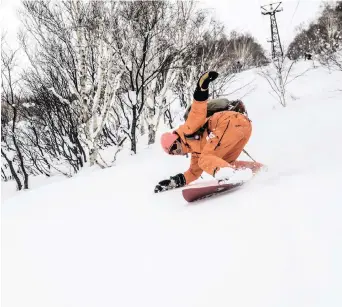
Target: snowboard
{"x":195,"y":193}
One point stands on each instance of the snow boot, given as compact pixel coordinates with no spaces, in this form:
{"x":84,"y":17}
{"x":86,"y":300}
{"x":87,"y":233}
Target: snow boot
{"x":224,"y":174}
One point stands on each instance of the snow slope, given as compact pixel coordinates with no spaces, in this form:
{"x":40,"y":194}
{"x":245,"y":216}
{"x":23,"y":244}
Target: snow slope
{"x":103,"y":238}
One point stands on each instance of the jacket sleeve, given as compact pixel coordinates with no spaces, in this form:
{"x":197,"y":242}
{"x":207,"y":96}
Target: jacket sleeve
{"x":196,"y":118}
{"x":194,"y":171}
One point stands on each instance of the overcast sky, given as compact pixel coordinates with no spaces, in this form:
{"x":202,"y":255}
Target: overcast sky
{"x":241,"y":15}
{"x":245,"y":16}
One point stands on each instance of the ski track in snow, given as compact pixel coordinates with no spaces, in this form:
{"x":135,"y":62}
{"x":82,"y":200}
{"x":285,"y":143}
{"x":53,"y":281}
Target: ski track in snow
{"x":103,"y":238}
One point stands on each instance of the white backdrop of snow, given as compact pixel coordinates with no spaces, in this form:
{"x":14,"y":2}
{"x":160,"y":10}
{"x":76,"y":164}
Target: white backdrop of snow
{"x":102,"y":238}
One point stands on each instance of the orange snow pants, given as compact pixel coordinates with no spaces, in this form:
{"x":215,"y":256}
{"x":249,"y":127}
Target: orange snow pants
{"x":229,"y":133}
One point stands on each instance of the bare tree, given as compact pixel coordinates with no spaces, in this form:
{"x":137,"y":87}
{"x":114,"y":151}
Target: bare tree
{"x":333,"y":60}
{"x":152,"y":49}
{"x":278,"y":76}
{"x":11,"y":97}
{"x":245,"y":51}
{"x":322,"y":38}
{"x":209,"y":52}
{"x":72,"y":37}
{"x":139,"y":47}
{"x":181,"y":29}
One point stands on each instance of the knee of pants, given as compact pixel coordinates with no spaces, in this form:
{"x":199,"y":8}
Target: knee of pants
{"x":209,"y":163}
{"x":235,"y":152}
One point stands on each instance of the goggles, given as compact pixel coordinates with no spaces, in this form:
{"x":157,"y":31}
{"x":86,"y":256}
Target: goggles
{"x":176,"y":148}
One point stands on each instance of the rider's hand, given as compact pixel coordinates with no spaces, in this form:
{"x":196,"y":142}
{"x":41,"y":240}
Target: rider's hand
{"x":172,"y":183}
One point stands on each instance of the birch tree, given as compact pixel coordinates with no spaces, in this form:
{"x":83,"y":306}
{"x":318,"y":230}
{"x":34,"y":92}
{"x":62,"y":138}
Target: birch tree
{"x":322,"y":37}
{"x":132,"y":36}
{"x":210,"y":52}
{"x":151,"y":46}
{"x":73,"y":38}
{"x":180,"y":30}
{"x":11,"y":97}
{"x":331,"y":46}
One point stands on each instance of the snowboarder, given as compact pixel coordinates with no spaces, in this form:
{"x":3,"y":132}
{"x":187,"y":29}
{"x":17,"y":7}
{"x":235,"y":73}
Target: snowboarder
{"x":216,"y":148}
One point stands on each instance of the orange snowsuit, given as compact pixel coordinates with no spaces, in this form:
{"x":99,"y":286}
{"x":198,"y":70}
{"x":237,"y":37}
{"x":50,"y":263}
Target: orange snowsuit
{"x":219,"y":145}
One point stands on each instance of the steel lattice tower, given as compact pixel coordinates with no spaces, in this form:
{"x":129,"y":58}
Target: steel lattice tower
{"x":277,"y":50}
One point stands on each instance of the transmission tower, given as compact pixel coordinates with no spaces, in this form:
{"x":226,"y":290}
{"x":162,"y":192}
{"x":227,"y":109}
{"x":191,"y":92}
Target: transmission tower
{"x":273,"y":8}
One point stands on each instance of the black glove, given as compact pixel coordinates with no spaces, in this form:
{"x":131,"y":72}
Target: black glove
{"x":201,"y":93}
{"x":172,"y":183}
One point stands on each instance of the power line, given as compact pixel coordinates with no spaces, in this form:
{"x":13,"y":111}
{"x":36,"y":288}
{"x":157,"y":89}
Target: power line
{"x":294,"y":13}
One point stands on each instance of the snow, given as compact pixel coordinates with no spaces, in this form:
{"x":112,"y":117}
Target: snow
{"x":103,"y":238}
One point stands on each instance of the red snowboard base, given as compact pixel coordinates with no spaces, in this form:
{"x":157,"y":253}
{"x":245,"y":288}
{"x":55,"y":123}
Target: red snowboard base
{"x":197,"y":193}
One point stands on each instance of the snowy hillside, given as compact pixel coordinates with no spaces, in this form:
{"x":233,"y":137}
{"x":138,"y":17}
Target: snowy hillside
{"x":103,"y":238}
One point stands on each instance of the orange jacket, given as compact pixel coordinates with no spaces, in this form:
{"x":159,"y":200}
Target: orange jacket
{"x":229,"y":132}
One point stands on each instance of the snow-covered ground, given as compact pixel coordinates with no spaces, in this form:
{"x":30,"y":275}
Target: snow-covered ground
{"x":103,"y":238}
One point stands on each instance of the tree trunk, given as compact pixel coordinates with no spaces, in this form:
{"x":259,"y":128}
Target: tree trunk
{"x":151,"y":113}
{"x":81,"y":153}
{"x":169,"y":118}
{"x":133,"y":130}
{"x":21,"y":161}
{"x":13,"y":172}
{"x":151,"y":134}
{"x":93,"y":152}
{"x":282,"y":90}
{"x":3,"y":175}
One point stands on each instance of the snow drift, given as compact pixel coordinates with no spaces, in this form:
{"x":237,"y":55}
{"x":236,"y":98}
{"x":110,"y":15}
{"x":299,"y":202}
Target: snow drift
{"x":103,"y":238}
